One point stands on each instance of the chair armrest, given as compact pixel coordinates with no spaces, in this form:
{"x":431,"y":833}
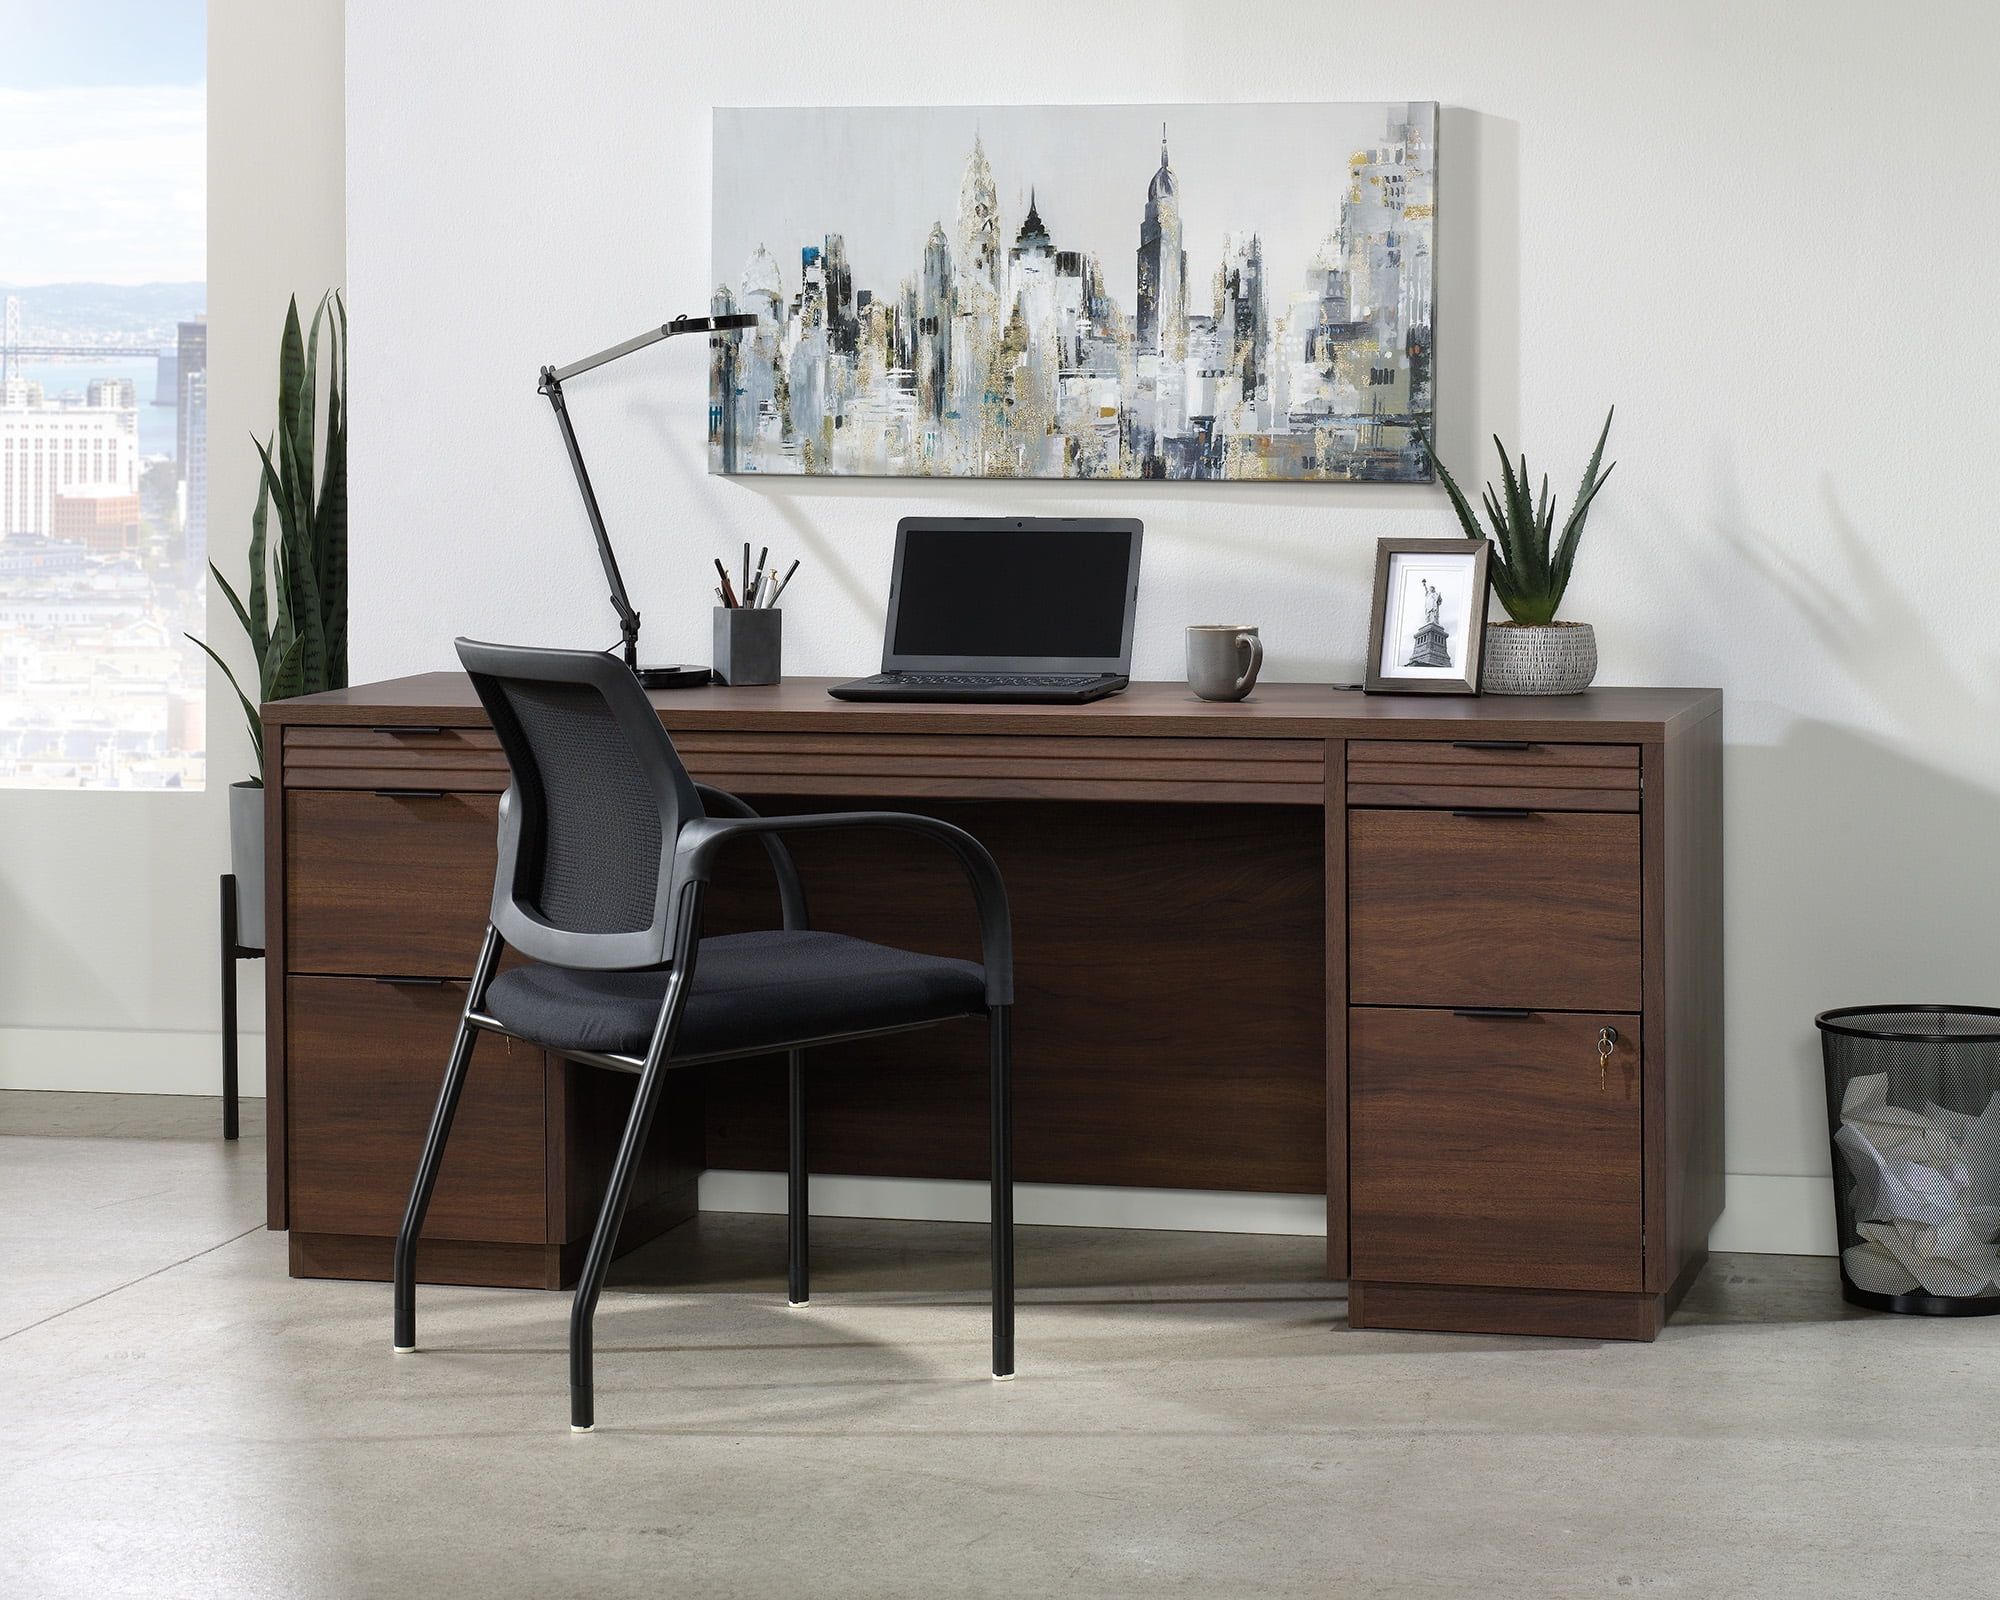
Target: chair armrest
{"x":791,"y":889}
{"x":695,"y":851}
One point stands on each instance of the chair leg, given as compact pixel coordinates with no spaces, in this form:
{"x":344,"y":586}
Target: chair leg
{"x":420,"y":1190}
{"x":797,"y":1208}
{"x":604,"y":1241}
{"x":229,"y":1046}
{"x":433,"y":1155}
{"x":1000,"y":1040}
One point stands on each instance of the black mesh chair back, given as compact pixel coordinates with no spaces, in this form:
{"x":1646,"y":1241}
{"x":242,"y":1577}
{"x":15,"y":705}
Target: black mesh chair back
{"x":598,"y":798}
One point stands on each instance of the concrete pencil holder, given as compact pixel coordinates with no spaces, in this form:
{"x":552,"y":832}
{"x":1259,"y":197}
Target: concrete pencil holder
{"x":748,"y":644}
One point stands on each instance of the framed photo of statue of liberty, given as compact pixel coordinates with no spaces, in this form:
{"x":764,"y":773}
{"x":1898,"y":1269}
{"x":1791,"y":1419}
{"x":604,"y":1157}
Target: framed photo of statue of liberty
{"x":1427,"y":629}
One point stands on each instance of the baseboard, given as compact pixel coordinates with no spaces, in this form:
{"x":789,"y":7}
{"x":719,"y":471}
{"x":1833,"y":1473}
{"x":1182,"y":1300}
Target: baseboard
{"x":1766,"y":1214}
{"x":125,"y":1061}
{"x":1776,"y":1214}
{"x":1039,"y":1204}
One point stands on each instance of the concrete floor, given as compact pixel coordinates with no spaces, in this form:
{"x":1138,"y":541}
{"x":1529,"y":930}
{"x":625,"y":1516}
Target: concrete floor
{"x":1193,"y":1418}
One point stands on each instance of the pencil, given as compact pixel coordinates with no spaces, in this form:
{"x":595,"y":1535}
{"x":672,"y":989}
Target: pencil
{"x":780,"y":589}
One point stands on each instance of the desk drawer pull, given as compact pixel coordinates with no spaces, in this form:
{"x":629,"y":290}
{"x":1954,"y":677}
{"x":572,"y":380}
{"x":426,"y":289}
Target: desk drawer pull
{"x":415,"y":983}
{"x":409,"y":728}
{"x":409,"y":794}
{"x":1510,"y":1013}
{"x":1477,"y":812}
{"x":1491,"y":744}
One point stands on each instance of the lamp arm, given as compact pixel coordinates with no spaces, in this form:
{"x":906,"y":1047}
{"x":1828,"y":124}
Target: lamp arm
{"x":621,"y":602}
{"x":551,"y":385}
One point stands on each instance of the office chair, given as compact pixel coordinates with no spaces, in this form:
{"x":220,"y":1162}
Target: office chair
{"x":607,"y":847}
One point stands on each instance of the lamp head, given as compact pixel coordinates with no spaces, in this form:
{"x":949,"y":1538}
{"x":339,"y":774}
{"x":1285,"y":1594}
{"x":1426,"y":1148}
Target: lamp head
{"x":722,"y":324}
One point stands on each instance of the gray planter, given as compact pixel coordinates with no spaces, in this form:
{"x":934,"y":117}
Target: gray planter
{"x":246,"y":860}
{"x":1539,"y":658}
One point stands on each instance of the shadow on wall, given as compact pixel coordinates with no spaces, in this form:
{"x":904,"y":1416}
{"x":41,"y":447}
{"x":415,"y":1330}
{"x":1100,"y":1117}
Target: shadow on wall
{"x":1478,"y":312}
{"x":1856,"y":874}
{"x":1860,"y":870}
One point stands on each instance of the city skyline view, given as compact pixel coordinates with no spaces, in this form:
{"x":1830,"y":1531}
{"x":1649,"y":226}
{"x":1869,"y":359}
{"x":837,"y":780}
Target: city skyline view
{"x":1252,"y":299}
{"x":103,"y":397}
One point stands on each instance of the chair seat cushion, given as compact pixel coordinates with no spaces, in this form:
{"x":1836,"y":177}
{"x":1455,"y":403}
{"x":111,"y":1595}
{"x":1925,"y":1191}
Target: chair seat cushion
{"x":750,"y":990}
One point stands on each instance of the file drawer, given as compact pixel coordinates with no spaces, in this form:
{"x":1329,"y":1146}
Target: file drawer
{"x":1490,"y":1152}
{"x":387,"y":883}
{"x":1470,"y":908}
{"x":1493,"y":772}
{"x":366,"y":1058}
{"x":464,"y":759}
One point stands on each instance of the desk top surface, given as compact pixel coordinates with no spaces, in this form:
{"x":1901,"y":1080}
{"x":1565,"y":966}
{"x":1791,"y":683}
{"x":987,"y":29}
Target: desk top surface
{"x":1273,"y":710}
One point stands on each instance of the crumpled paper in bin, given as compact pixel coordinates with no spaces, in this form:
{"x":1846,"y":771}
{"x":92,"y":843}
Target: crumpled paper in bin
{"x":1925,"y":1196}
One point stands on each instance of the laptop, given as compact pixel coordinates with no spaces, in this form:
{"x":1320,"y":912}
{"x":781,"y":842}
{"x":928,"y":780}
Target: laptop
{"x":1008,"y":609}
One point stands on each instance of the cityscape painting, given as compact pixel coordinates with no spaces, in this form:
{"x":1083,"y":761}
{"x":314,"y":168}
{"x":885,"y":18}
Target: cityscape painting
{"x":1172,"y":292}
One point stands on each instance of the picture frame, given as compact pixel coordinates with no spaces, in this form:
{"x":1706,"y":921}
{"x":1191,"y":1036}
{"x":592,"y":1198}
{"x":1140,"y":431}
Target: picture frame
{"x":1427,"y":626}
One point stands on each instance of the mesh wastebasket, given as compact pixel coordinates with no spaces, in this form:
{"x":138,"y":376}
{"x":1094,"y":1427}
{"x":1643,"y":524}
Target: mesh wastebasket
{"x":1913,"y":1108}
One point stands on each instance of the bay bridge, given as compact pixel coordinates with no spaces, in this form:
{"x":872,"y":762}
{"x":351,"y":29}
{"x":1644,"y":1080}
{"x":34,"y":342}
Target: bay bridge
{"x":13,"y":352}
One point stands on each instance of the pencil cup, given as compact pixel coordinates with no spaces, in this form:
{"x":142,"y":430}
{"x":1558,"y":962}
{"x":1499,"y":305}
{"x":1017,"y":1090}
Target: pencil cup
{"x":747,"y":644}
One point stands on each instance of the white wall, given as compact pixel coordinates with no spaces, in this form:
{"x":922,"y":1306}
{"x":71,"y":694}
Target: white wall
{"x":1763,"y":230}
{"x":108,"y":901}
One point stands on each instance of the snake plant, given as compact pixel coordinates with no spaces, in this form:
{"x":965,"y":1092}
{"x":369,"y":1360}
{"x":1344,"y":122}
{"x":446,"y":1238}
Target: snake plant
{"x":295,"y":613}
{"x":1530,"y":567}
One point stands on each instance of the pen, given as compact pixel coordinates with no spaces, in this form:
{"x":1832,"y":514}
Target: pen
{"x":725,"y":594}
{"x":746,"y":564}
{"x":794,"y":567}
{"x":750,"y":594}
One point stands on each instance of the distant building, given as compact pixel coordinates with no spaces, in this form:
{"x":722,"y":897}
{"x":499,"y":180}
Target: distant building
{"x":190,"y":360}
{"x":63,"y":449}
{"x":104,"y":522}
{"x":194,"y":419}
{"x":118,"y":394}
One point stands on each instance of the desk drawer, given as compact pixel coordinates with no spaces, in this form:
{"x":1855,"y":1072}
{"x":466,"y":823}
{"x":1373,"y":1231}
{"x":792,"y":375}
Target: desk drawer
{"x":464,"y":759}
{"x":392,"y":885}
{"x":1539,"y":909}
{"x":1490,"y":1151}
{"x":364,"y":1061}
{"x":1493,"y":772}
{"x":975,"y":766}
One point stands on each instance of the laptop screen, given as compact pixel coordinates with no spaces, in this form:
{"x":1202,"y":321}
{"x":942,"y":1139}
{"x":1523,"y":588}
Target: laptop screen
{"x":1024,"y":594}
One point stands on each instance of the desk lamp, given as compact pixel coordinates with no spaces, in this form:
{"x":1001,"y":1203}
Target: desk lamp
{"x":552,"y":381}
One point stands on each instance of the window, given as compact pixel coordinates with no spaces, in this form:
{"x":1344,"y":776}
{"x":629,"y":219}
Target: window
{"x":103,"y":394}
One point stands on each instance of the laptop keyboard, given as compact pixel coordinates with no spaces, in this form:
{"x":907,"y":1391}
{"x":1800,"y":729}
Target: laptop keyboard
{"x":993,"y":680}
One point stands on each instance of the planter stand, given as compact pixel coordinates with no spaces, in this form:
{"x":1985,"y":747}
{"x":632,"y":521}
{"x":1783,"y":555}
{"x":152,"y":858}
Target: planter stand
{"x":232,"y":952}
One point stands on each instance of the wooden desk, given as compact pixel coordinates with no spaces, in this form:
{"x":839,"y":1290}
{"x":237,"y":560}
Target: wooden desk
{"x":1246,"y":937}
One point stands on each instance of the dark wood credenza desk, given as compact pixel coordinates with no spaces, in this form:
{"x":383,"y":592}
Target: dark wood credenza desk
{"x":1312,"y":943}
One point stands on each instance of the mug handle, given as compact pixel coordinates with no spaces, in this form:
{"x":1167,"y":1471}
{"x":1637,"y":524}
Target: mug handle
{"x":1248,"y":680}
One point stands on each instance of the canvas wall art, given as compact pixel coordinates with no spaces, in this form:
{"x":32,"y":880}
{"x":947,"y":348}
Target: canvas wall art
{"x":1171,"y":292}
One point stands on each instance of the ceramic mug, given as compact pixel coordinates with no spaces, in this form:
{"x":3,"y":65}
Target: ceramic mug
{"x":1223,"y":660}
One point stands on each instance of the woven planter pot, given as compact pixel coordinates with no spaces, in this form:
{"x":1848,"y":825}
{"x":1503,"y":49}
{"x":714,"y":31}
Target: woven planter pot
{"x":1539,"y":658}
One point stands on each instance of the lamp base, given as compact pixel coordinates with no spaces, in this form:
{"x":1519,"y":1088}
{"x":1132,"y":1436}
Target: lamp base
{"x":674,"y":677}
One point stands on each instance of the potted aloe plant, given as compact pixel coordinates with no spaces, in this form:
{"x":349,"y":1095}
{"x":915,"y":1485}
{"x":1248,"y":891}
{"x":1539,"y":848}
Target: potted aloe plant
{"x":1532,"y":653}
{"x":294,"y":606}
